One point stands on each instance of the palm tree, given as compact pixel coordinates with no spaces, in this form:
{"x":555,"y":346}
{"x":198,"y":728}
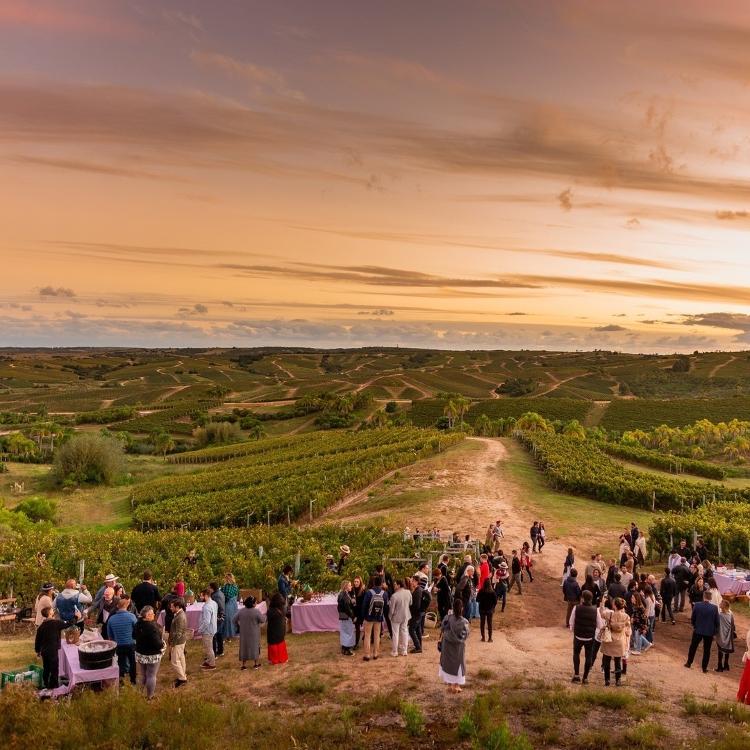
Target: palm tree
{"x":451,"y":411}
{"x":575,"y":430}
{"x":257,"y":432}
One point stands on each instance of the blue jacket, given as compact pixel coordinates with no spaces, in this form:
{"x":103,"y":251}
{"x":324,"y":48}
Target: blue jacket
{"x":285,"y":586}
{"x":571,"y":589}
{"x":705,"y":619}
{"x":120,"y":627}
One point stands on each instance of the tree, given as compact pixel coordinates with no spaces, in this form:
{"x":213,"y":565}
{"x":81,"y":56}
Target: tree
{"x":533,"y":422}
{"x":575,"y":430}
{"x":20,"y":446}
{"x":257,"y":432}
{"x":88,"y":458}
{"x":37,"y":509}
{"x":451,"y":412}
{"x":163,"y":443}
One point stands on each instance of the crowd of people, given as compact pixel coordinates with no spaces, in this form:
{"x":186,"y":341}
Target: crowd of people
{"x":616,"y":610}
{"x":611,"y":608}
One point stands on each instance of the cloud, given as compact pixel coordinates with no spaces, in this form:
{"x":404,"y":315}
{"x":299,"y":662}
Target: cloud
{"x":56,"y":291}
{"x":730,"y":321}
{"x":489,"y":243}
{"x":76,"y":165}
{"x":45,"y":16}
{"x":188,"y":20}
{"x":200,"y":309}
{"x":632,"y":223}
{"x":517,"y":313}
{"x":732,"y":215}
{"x":565,"y":199}
{"x":260,"y":78}
{"x":611,"y":328}
{"x":197,"y":309}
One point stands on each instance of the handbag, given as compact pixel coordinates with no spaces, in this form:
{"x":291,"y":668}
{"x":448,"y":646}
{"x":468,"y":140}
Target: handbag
{"x":605,"y":633}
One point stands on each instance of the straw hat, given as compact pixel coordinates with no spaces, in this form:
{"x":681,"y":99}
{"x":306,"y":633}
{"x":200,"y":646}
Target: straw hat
{"x":344,"y":548}
{"x":329,"y":557}
{"x":110,"y":578}
{"x":48,"y":587}
{"x":504,"y":565}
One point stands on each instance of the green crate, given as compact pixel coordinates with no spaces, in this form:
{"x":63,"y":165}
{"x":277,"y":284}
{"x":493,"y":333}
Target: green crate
{"x":31,"y":675}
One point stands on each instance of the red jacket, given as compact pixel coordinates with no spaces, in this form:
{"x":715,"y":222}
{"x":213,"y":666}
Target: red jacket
{"x":484,"y":573}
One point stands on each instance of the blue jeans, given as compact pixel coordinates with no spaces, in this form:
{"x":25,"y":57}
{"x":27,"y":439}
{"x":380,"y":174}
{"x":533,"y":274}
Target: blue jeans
{"x":126,"y":662}
{"x":650,"y":633}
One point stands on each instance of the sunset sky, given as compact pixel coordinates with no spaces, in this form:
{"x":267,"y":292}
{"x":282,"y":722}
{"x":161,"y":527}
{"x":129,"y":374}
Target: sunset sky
{"x":567,"y":175}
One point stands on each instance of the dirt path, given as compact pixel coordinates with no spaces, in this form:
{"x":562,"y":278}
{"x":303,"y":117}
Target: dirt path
{"x":171,"y":392}
{"x":720,"y":366}
{"x":558,"y":383}
{"x":283,"y":369}
{"x":531,"y":637}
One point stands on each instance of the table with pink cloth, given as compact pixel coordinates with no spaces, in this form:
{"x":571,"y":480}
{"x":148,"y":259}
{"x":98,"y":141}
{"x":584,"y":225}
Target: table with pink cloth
{"x":316,"y":616}
{"x":732,"y":584}
{"x":193,"y":612}
{"x":70,"y":668}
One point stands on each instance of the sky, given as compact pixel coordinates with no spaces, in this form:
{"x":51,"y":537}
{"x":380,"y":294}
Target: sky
{"x":480,"y":175}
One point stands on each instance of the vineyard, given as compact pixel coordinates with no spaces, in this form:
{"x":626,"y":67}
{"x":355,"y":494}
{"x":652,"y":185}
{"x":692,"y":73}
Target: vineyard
{"x":254,"y":555}
{"x":277,"y":480}
{"x":665,"y":462}
{"x":720,"y":522}
{"x":581,"y":467}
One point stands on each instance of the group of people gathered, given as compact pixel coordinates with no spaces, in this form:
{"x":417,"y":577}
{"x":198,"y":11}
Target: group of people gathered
{"x":146,"y":625}
{"x":616,"y":609}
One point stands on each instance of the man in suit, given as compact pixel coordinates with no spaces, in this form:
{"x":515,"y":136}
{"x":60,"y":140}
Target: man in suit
{"x":705,"y":620}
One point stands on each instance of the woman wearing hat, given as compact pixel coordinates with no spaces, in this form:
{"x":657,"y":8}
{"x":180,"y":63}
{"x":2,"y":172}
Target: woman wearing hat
{"x":501,"y":581}
{"x":44,"y":599}
{"x":248,"y":622}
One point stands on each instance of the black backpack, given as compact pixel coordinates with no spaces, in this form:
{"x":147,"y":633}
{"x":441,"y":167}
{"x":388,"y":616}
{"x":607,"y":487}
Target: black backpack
{"x":424,"y":605}
{"x":377,"y":605}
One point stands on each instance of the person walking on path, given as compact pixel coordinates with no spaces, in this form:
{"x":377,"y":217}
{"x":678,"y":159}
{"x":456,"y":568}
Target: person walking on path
{"x":247,"y":622}
{"x":515,"y":571}
{"x":705,"y":621}
{"x":668,"y":592}
{"x":207,"y":625}
{"x":400,"y":604}
{"x":725,"y":636}
{"x":345,"y":604}
{"x":177,"y":640}
{"x":149,"y":648}
{"x":487,"y":600}
{"x":585,"y":620}
{"x":615,"y":640}
{"x":571,"y":594}
{"x":534,"y":534}
{"x":374,"y":613}
{"x":541,"y":537}
{"x":454,"y":630}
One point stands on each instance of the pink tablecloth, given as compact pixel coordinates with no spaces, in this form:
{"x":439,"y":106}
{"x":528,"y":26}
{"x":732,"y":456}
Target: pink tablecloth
{"x":70,"y":667}
{"x":316,"y":617}
{"x":730,"y":585}
{"x":193,"y":613}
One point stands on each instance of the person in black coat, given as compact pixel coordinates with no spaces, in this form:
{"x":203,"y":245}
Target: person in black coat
{"x":47,"y":646}
{"x":487,"y":601}
{"x":146,"y":593}
{"x":668,"y":592}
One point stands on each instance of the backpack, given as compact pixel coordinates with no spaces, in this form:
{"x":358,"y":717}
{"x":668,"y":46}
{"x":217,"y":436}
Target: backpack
{"x":424,"y":605}
{"x":377,"y":605}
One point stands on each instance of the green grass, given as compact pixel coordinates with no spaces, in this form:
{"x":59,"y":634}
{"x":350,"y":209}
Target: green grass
{"x":563,"y":514}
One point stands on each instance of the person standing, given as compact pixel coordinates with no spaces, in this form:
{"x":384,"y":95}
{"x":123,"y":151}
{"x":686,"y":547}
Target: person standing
{"x":47,"y":646}
{"x":571,"y":594}
{"x":44,"y":599}
{"x":705,"y":621}
{"x":725,"y":636}
{"x":585,"y":620}
{"x":484,"y":571}
{"x":442,"y":591}
{"x":487,"y":600}
{"x":149,"y":647}
{"x":69,"y":603}
{"x":541,"y":537}
{"x":454,"y":630}
{"x":501,"y":580}
{"x":231,"y":592}
{"x":276,"y":631}
{"x":345,"y":604}
{"x":146,"y":593}
{"x":743,"y":689}
{"x":400,"y":604}
{"x":119,"y":629}
{"x":359,"y":591}
{"x":374,"y":612}
{"x":668,"y":591}
{"x":207,"y":625}
{"x":617,"y":623}
{"x":569,"y":563}
{"x":177,"y":639}
{"x":682,"y":577}
{"x":415,"y":615}
{"x":248,"y":621}
{"x":218,"y":596}
{"x":515,"y":570}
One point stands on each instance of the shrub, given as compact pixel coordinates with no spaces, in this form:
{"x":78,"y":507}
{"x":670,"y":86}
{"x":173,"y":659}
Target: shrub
{"x":311,"y":684}
{"x":502,"y":738}
{"x":38,"y":509}
{"x":217,"y":433}
{"x":88,"y":459}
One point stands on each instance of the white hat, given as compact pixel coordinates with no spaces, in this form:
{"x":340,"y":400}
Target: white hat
{"x":345,"y":549}
{"x":110,"y":578}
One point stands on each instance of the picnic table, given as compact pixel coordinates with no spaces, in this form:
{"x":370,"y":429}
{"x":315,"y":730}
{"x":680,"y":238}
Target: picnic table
{"x":732,"y":582}
{"x":70,"y":669}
